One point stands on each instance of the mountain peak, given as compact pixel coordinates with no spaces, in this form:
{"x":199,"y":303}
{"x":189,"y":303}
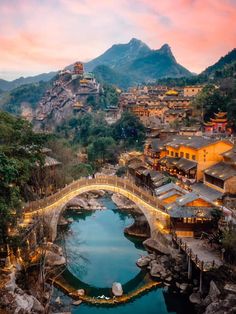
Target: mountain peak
{"x":137,"y":43}
{"x":165,"y":49}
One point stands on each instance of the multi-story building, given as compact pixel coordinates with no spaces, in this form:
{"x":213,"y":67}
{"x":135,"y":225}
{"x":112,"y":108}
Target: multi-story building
{"x":190,"y":91}
{"x":222,"y":176}
{"x":187,"y":157}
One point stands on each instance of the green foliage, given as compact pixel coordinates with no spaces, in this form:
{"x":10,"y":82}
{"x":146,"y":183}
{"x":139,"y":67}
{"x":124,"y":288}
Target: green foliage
{"x":81,"y":170}
{"x":108,"y":97}
{"x":229,"y":244}
{"x":212,"y":99}
{"x":30,"y":93}
{"x":102,"y":141}
{"x":106,"y":75}
{"x":130,"y":131}
{"x":121,"y":171}
{"x":20,"y":150}
{"x":102,"y":149}
{"x":221,"y":64}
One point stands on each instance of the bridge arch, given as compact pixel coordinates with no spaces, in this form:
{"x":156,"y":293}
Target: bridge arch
{"x":150,"y":206}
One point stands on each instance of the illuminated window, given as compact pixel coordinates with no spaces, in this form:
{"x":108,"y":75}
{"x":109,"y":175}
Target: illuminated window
{"x":187,"y":155}
{"x":176,"y":155}
{"x":172,"y":154}
{"x":181,"y":154}
{"x":193,"y":157}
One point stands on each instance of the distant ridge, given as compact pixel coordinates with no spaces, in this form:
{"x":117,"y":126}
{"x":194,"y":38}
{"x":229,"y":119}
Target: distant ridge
{"x":224,"y":61}
{"x":8,"y":85}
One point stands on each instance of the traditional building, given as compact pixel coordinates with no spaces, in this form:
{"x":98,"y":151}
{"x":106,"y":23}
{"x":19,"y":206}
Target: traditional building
{"x":79,"y":68}
{"x":185,"y":157}
{"x":154,"y":150}
{"x":195,"y":154}
{"x":222,"y":176}
{"x":190,"y":130}
{"x":190,"y":91}
{"x":218,"y":124}
{"x":190,"y":213}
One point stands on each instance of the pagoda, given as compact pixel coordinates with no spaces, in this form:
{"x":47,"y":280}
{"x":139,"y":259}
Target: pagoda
{"x":79,"y":68}
{"x":217,"y":124}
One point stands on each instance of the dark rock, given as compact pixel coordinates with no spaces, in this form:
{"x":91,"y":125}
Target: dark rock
{"x":195,"y":298}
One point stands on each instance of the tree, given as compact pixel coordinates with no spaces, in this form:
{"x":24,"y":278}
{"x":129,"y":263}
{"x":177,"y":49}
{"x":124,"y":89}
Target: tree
{"x":20,"y":151}
{"x":81,"y":170}
{"x":103,"y":149}
{"x":229,"y":244}
{"x":130,"y":130}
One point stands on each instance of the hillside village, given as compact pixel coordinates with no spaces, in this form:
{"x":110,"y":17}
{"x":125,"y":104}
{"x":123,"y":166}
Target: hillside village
{"x":69,"y":93}
{"x":162,"y":140}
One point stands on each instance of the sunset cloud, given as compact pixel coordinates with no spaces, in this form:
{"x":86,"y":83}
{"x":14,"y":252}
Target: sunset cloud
{"x":38,"y":36}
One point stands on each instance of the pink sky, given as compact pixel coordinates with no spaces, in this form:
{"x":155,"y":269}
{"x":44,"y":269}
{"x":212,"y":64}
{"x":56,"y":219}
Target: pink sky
{"x":39,"y":36}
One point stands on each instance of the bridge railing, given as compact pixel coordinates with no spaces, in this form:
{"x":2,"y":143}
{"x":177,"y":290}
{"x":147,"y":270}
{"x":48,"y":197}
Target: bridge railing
{"x":106,"y":180}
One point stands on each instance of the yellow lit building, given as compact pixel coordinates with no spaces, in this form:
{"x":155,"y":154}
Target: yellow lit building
{"x":195,"y":154}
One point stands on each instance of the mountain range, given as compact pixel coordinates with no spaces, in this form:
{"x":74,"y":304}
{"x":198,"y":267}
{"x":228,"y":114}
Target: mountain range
{"x":129,"y":64}
{"x":8,"y":85}
{"x":135,"y":63}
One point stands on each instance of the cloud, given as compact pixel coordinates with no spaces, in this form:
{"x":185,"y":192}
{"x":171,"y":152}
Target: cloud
{"x":38,"y":36}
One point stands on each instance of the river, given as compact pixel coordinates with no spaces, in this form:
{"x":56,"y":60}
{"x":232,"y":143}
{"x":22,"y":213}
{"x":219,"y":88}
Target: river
{"x":99,"y":253}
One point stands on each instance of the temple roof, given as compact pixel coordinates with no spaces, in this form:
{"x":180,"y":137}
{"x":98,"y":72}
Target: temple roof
{"x":219,"y":120}
{"x":221,"y":114}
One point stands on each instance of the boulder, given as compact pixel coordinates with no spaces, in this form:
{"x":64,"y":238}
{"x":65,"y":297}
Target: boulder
{"x":143,"y":261}
{"x":117,"y":289}
{"x":62,"y":221}
{"x":80,"y":292}
{"x":168,"y":279}
{"x":183,"y":287}
{"x":157,"y":270}
{"x":53,"y":259}
{"x":77,"y":302}
{"x":231,"y":288}
{"x":195,"y":298}
{"x":213,"y":294}
{"x":38,"y":307}
{"x":58,"y":300}
{"x":11,"y":284}
{"x":24,"y":303}
{"x":78,"y":202}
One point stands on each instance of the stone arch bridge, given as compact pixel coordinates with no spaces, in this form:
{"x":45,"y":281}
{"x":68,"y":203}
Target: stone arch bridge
{"x":52,"y":206}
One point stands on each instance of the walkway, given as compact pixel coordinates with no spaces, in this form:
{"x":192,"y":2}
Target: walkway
{"x":52,"y":206}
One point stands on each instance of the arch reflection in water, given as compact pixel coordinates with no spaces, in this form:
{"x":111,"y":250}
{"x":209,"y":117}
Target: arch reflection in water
{"x":101,"y":254}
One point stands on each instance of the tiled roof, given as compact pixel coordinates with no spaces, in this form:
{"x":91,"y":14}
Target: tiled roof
{"x":191,"y":141}
{"x":188,"y":212}
{"x":221,"y":171}
{"x":231,"y":154}
{"x":206,"y":191}
{"x":167,"y":188}
{"x":185,"y":164}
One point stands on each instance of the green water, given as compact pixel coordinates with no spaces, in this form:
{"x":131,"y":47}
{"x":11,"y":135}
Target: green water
{"x":99,"y":253}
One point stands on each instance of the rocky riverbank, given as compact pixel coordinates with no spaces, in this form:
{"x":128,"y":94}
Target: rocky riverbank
{"x":219,"y":292}
{"x":23,"y":290}
{"x":87,"y":201}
